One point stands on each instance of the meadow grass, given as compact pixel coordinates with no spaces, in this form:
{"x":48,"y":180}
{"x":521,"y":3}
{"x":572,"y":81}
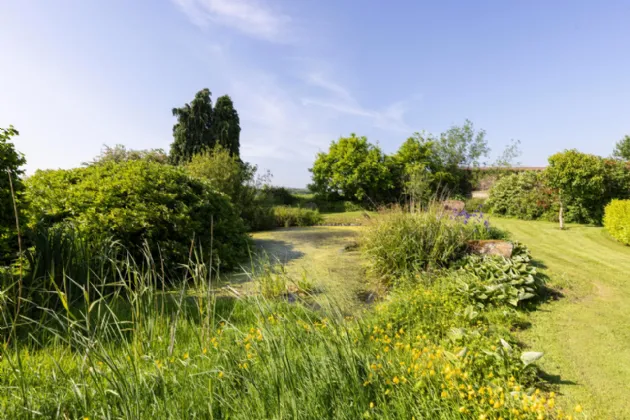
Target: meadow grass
{"x":124,"y":347}
{"x":585,"y":333}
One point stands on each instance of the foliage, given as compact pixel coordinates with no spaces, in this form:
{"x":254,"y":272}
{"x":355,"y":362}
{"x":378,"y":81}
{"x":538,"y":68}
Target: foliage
{"x":192,"y":133}
{"x":617,"y":220}
{"x":295,"y":216}
{"x":476,"y":205}
{"x":423,"y":167}
{"x":138,"y":201}
{"x":508,"y":156}
{"x":120,"y":153}
{"x":226,"y":125}
{"x":11,"y":162}
{"x":398,"y":243}
{"x":236,"y":179}
{"x":353,"y":169}
{"x":580,"y":181}
{"x":499,"y":281}
{"x":420,"y":354}
{"x":523,"y":195}
{"x":200,"y":127}
{"x":461,"y":146}
{"x":622,"y":149}
{"x":279,"y":196}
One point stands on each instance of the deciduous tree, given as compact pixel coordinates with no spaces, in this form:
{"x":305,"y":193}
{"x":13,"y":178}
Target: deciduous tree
{"x":11,"y":162}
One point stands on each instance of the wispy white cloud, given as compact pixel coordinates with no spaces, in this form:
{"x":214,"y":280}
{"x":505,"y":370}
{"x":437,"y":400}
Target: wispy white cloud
{"x":339,"y":99}
{"x":250,"y":17}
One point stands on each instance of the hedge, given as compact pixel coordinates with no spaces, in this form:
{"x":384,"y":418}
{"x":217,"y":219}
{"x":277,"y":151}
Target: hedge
{"x":617,"y":220}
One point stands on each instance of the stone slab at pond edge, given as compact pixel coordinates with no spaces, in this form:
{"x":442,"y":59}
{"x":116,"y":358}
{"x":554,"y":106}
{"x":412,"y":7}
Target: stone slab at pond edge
{"x":491,"y":247}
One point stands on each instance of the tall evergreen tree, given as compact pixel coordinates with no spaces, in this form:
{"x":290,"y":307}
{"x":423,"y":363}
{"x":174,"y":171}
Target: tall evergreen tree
{"x":226,"y":125}
{"x":193,"y":130}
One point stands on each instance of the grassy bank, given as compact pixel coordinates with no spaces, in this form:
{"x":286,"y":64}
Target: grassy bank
{"x":585,"y":334}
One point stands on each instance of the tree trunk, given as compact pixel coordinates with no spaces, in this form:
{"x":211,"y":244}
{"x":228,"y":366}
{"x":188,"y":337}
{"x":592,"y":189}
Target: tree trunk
{"x":561,"y":216}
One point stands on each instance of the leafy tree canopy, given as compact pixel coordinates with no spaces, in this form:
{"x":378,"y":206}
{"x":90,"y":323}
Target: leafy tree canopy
{"x":622,"y":149}
{"x":200,"y":126}
{"x":120,"y":153}
{"x":226,"y":125}
{"x":11,"y":162}
{"x":353,"y":169}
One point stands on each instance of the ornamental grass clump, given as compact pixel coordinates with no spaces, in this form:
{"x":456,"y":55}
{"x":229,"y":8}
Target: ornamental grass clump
{"x":398,"y":243}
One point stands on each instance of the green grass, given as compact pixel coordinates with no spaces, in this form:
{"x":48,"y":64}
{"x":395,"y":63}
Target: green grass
{"x":191,"y":353}
{"x":586,"y":333}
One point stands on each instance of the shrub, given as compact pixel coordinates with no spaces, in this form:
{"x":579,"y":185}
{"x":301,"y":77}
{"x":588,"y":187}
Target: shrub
{"x":295,"y":216}
{"x":581,"y":183}
{"x":476,"y":204}
{"x":523,"y":195}
{"x":399,"y":243}
{"x":226,"y":173}
{"x":617,"y":220}
{"x":138,"y":201}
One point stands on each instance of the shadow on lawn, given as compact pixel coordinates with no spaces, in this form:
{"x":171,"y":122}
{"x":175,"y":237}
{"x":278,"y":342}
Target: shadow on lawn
{"x":277,"y":250}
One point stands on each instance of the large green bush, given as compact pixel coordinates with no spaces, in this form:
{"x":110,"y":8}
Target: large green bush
{"x":523,"y":195}
{"x":138,"y":201}
{"x":617,"y":220}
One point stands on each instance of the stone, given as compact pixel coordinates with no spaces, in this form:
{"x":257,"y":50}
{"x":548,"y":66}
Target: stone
{"x":491,"y":247}
{"x":453,"y":205}
{"x":310,"y":206}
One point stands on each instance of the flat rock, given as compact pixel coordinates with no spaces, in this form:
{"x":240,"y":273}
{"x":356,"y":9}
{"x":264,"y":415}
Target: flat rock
{"x":453,"y":205}
{"x":491,"y":247}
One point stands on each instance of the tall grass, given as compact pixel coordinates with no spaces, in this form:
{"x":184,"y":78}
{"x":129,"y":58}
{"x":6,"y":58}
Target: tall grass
{"x":124,"y":345}
{"x":399,"y":242}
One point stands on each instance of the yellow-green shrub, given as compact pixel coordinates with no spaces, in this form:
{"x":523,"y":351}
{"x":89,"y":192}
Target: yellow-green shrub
{"x":617,"y":220}
{"x":295,"y":216}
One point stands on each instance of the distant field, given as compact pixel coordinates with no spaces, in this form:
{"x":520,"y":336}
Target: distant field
{"x":586,"y":333}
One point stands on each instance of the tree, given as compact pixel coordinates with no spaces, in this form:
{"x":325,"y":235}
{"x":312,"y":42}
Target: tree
{"x":192,"y":132}
{"x":120,"y":153}
{"x":355,"y":170}
{"x":580,"y":182}
{"x":622,"y":149}
{"x":11,"y":188}
{"x":226,"y":125}
{"x":237,"y":180}
{"x":461,"y":146}
{"x":417,"y":168}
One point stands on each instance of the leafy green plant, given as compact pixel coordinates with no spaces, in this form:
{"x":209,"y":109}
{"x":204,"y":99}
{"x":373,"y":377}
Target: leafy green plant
{"x":497,"y":280}
{"x":617,"y":220}
{"x":295,"y":216}
{"x":522,"y":195}
{"x":136,"y":202}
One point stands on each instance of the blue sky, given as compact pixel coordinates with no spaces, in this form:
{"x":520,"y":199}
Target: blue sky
{"x":79,"y":74}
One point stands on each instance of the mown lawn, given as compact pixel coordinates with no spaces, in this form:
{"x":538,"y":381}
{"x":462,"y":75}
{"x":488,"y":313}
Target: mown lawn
{"x":586,"y":333}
